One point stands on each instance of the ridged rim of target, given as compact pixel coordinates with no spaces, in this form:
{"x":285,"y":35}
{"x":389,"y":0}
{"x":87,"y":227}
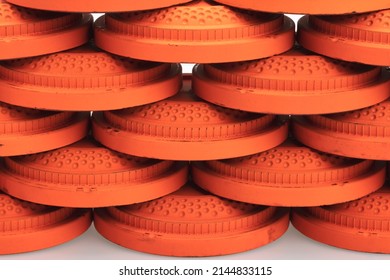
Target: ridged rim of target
{"x":39,"y":229}
{"x":158,"y":233}
{"x":56,"y":32}
{"x":353,"y":231}
{"x":82,"y":80}
{"x":32,"y":131}
{"x":332,"y":134}
{"x":202,"y":131}
{"x":195,"y":40}
{"x":285,"y":182}
{"x":64,"y":177}
{"x":342,"y":41}
{"x":229,"y":86}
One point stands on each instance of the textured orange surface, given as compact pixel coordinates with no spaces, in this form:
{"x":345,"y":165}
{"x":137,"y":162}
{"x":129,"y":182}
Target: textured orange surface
{"x":200,"y":32}
{"x":360,"y":225}
{"x":290,"y":175}
{"x":87,"y":175}
{"x":191,"y":222}
{"x":26,"y":32}
{"x":363,"y":38}
{"x":26,"y":226}
{"x":27,"y":131}
{"x":296,"y":82}
{"x":186,"y":128}
{"x":363,"y":133}
{"x":309,"y":6}
{"x":85,"y":79}
{"x":227,"y":123}
{"x":96,"y":5}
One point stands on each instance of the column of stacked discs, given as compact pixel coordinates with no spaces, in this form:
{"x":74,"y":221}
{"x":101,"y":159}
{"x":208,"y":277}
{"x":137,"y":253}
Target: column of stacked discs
{"x":191,"y":222}
{"x":247,"y":167}
{"x":52,"y":171}
{"x":340,"y":108}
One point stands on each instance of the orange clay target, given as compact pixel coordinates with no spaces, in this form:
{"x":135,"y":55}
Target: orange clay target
{"x":96,"y":5}
{"x":27,"y":131}
{"x":186,"y":128}
{"x":297,"y":82}
{"x":26,"y":226}
{"x":290,"y":175}
{"x":362,"y":133}
{"x":360,"y":225}
{"x":363,"y":38}
{"x":191,"y":222}
{"x":308,"y":6}
{"x":25,"y":32}
{"x":87,"y":175}
{"x":201,"y":32}
{"x":86,"y":79}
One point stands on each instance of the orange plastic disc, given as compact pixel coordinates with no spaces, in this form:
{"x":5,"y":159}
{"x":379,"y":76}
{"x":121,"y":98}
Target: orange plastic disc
{"x":86,"y":79}
{"x":297,"y":82}
{"x":290,"y":175}
{"x":96,"y":5}
{"x":87,"y":175}
{"x":308,"y":6}
{"x":200,"y":32}
{"x":25,"y":32}
{"x":363,"y":38}
{"x":26,"y":226}
{"x":27,"y":131}
{"x":191,"y":222}
{"x":362,"y":133}
{"x":186,"y":128}
{"x":360,"y":225}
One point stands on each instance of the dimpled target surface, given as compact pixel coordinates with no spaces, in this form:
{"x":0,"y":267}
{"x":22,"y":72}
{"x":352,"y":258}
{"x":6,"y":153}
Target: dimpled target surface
{"x":191,"y":222}
{"x":85,"y":79}
{"x":86,"y":174}
{"x":184,"y":127}
{"x":26,"y":32}
{"x":363,"y":38}
{"x":199,"y":32}
{"x":26,"y":226}
{"x":363,"y":133}
{"x":295,"y":82}
{"x":290,"y":175}
{"x":27,"y":131}
{"x":360,"y":225}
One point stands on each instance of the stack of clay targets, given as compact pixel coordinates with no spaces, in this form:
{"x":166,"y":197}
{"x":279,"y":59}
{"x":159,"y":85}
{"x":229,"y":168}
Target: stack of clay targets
{"x":52,"y":172}
{"x":26,"y":226}
{"x":364,"y":133}
{"x":191,"y":221}
{"x":269,"y":124}
{"x":337,"y":90}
